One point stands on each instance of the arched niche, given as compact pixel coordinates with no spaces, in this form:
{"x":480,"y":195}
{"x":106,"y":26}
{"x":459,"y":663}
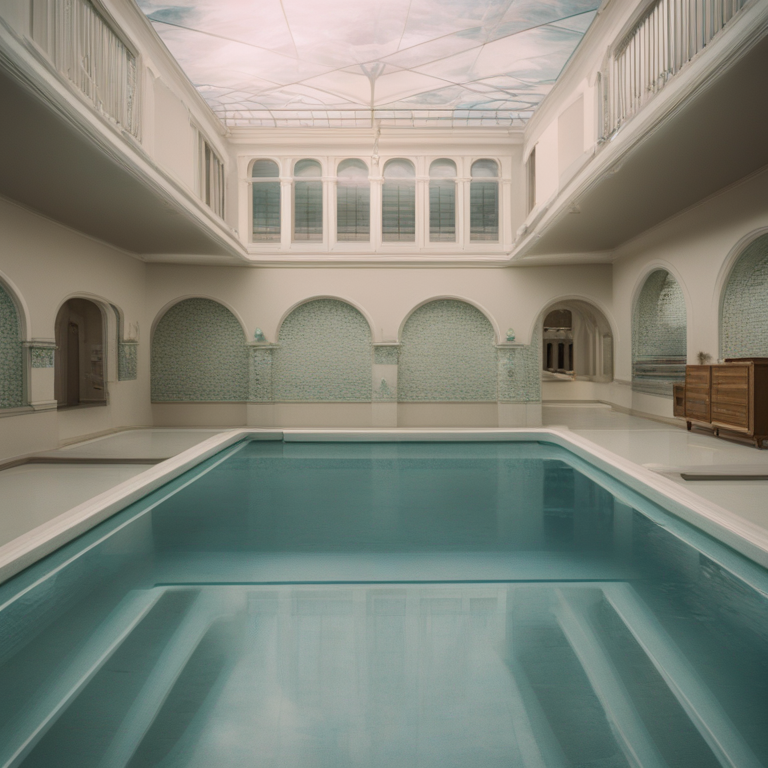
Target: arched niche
{"x":659,"y":335}
{"x":448,"y":353}
{"x":577,"y":342}
{"x":80,"y":361}
{"x":744,"y":312}
{"x":11,"y":353}
{"x":323,"y":354}
{"x":199,"y":354}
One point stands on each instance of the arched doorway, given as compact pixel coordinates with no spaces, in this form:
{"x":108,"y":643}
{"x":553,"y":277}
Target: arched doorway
{"x":80,"y":355}
{"x":577,"y":342}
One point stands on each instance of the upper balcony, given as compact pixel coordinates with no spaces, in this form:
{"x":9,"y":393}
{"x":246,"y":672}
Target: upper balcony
{"x":107,"y":134}
{"x":655,"y":112}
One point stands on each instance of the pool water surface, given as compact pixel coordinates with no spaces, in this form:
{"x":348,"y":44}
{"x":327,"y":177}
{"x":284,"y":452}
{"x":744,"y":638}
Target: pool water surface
{"x":387,"y":604}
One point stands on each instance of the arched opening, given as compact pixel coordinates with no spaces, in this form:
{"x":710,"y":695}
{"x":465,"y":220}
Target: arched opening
{"x":11,"y":355}
{"x":324,"y":354}
{"x":80,"y":355}
{"x":199,"y":354}
{"x":659,"y":335}
{"x":577,"y":343}
{"x":448,"y":354}
{"x":744,"y":312}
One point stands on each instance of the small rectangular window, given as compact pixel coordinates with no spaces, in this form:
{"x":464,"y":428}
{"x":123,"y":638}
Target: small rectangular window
{"x":210,"y":176}
{"x":530,"y":176}
{"x":442,"y":211}
{"x":308,"y":210}
{"x":353,"y":213}
{"x":484,"y":211}
{"x":398,"y":212}
{"x":266,"y":211}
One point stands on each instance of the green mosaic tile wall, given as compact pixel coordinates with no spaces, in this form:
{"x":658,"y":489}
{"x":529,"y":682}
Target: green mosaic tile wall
{"x":199,"y":355}
{"x":744,"y":318}
{"x":448,"y":354}
{"x":11,"y":354}
{"x":127,"y":362}
{"x":324,"y":354}
{"x":659,"y":335}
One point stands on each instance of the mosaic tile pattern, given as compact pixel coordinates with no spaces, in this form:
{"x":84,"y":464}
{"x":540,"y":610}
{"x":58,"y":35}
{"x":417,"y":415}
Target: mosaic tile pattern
{"x":744,"y":319}
{"x":127,"y":361}
{"x":519,"y":371}
{"x":11,"y":355}
{"x":42,"y":357}
{"x":324,"y":354}
{"x":386,"y":355}
{"x":659,"y":335}
{"x":199,"y":355}
{"x":447,"y":354}
{"x":260,"y":374}
{"x":384,"y":393}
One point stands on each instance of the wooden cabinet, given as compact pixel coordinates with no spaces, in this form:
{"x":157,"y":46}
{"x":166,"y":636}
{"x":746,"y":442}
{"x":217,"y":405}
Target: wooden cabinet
{"x":731,"y":397}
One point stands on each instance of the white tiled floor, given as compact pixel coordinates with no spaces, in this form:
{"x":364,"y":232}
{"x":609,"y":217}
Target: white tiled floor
{"x":32,"y":494}
{"x":137,"y":444}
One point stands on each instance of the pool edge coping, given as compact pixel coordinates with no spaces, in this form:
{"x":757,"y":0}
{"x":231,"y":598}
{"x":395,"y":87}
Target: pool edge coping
{"x":736,"y":532}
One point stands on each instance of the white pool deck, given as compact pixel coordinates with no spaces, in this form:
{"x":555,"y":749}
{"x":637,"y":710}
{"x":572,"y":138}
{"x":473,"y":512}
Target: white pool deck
{"x":32,"y":495}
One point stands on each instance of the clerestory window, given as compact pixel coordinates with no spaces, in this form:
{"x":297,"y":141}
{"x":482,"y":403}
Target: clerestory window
{"x":265,"y":178}
{"x":398,"y":202}
{"x":353,"y":202}
{"x":484,"y":201}
{"x":307,"y":201}
{"x":442,"y":201}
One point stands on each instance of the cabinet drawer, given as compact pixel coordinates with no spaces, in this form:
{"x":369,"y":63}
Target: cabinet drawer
{"x":734,"y":415}
{"x":730,"y":374}
{"x":734,"y":395}
{"x":696,"y":377}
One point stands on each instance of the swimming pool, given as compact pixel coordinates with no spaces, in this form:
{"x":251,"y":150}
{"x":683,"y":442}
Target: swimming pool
{"x":387,"y":604}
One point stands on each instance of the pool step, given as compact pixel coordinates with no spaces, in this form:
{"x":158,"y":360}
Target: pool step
{"x":207,"y":609}
{"x":697,"y":700}
{"x":20,"y":736}
{"x":627,"y":725}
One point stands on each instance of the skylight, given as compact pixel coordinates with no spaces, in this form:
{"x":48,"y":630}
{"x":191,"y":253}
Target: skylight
{"x":331,"y":63}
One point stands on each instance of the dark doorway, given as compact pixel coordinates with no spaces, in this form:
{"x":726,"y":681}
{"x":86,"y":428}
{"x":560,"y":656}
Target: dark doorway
{"x":80,"y":353}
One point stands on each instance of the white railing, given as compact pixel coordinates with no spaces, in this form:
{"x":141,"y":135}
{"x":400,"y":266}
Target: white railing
{"x":85,"y":49}
{"x":663,"y":40}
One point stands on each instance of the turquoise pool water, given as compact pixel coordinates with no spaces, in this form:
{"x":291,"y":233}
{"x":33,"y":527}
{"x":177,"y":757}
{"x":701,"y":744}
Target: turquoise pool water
{"x":398,"y":604}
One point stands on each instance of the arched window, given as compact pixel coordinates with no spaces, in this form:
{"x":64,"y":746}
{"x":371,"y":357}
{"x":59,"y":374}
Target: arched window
{"x":266,"y":201}
{"x":353,"y":202}
{"x":80,"y":355}
{"x":484,"y":201}
{"x":442,"y":201}
{"x":398,"y":202}
{"x":307,"y":201}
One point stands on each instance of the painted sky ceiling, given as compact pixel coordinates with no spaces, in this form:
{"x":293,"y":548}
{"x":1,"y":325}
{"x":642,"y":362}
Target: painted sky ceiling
{"x":349,"y":62}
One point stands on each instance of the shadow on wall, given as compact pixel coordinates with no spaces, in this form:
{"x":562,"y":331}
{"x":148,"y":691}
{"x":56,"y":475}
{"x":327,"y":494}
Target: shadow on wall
{"x":744,"y":312}
{"x":11,"y":354}
{"x":659,"y":335}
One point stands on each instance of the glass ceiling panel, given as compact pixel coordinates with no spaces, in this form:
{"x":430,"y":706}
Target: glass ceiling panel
{"x":331,"y":63}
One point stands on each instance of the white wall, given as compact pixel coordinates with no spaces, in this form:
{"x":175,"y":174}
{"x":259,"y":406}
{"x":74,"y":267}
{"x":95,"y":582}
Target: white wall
{"x":48,"y":264}
{"x":262,"y":297}
{"x":698,"y":247}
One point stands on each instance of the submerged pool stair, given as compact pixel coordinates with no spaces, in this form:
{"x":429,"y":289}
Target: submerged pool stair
{"x":570,"y":608}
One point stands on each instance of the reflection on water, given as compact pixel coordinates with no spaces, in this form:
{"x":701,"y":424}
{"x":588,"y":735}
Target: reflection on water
{"x":520,"y":616}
